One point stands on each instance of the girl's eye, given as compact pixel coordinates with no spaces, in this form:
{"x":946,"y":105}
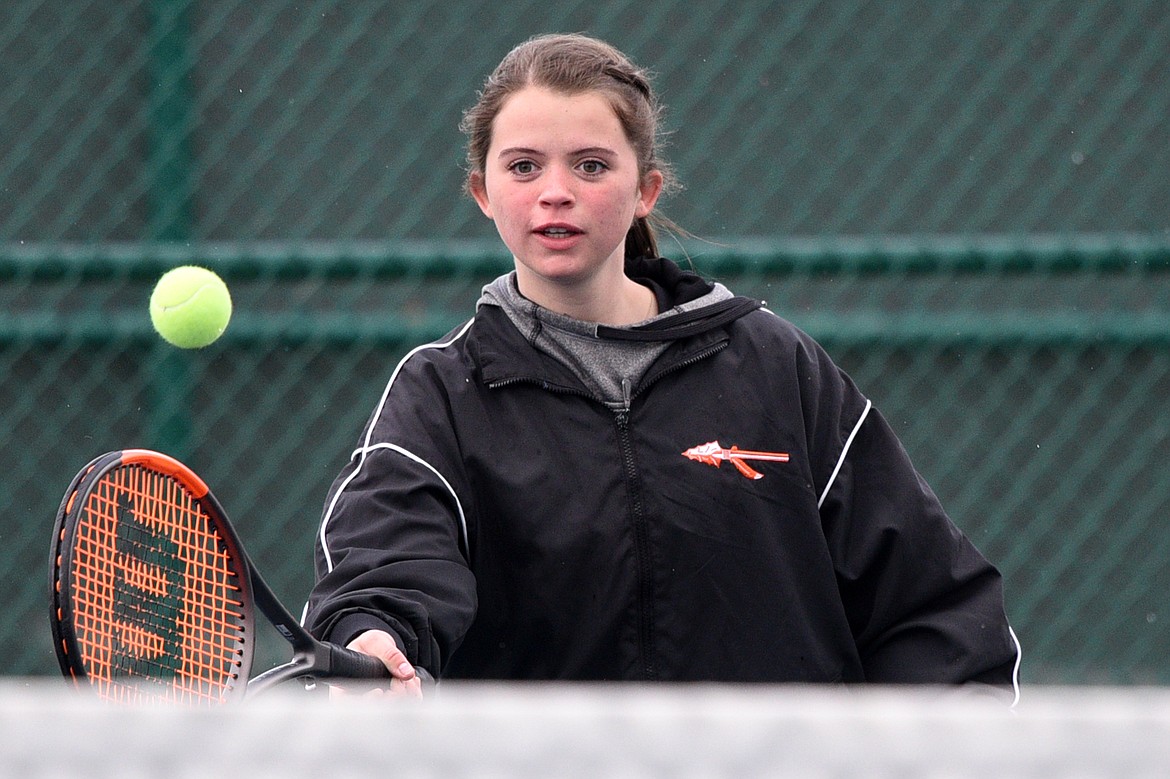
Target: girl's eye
{"x":593,"y":167}
{"x":522,"y":167}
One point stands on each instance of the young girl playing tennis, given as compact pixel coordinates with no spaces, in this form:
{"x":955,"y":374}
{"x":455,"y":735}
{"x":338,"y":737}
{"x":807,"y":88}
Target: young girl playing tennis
{"x":619,"y":470}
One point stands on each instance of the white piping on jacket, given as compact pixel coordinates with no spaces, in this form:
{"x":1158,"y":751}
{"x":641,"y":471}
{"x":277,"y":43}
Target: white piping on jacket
{"x":1016,"y":669}
{"x":824,"y":494}
{"x":367,"y":447}
{"x":845,"y":452}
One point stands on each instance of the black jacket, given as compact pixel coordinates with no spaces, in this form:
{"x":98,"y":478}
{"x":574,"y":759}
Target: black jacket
{"x":749,"y":516}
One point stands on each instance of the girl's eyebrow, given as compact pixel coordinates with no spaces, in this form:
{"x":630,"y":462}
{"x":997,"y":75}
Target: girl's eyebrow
{"x":599,"y":150}
{"x":518,"y":150}
{"x":514,"y":150}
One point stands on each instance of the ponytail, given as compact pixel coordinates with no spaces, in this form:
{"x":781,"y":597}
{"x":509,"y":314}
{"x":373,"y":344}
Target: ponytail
{"x":640,"y":240}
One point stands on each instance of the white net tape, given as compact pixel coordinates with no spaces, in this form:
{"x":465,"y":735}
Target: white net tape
{"x":597,"y":731}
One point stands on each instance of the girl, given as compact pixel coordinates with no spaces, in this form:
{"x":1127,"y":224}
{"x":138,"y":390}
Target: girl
{"x":618,"y":470}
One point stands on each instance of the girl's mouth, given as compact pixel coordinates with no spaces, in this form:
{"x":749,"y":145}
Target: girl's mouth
{"x":557,"y":231}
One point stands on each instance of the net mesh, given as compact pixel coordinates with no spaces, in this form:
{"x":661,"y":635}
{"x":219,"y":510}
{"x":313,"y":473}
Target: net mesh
{"x":542,"y":731}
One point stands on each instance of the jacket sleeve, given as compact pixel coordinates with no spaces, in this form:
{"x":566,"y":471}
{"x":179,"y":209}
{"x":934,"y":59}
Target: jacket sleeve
{"x":923,"y":604}
{"x":392,"y":549}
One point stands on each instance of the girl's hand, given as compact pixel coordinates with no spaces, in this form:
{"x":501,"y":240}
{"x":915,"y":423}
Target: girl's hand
{"x":404,"y":682}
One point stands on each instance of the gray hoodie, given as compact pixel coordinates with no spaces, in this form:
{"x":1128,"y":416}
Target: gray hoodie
{"x":608,"y":366}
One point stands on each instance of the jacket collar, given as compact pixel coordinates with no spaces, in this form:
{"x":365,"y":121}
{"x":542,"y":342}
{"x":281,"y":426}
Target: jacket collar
{"x":505,"y":356}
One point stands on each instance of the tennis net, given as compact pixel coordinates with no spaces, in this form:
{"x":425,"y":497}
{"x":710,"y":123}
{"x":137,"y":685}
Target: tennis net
{"x":490,"y":730}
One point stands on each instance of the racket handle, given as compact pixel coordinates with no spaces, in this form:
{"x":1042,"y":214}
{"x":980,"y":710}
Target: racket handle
{"x":349,"y":664}
{"x":355,"y":665}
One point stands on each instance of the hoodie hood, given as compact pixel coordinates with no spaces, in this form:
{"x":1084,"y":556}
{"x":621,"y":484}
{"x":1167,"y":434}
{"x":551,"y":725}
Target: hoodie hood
{"x":608,"y":360}
{"x":688,"y":305}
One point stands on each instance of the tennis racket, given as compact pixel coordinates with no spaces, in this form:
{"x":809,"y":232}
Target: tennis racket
{"x":153,"y":595}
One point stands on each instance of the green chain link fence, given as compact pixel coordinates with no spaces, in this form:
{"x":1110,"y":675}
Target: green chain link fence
{"x":967,"y":203}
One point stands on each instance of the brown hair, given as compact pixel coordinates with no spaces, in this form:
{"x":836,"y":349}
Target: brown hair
{"x":572,"y":64}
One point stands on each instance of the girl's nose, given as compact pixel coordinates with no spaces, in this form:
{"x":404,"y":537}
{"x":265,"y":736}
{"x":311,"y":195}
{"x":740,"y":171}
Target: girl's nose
{"x":557,"y":189}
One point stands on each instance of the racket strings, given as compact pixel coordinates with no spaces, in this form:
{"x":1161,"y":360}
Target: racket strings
{"x":159,"y":609}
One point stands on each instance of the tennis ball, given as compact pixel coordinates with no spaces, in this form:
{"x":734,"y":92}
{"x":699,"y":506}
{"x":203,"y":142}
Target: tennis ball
{"x":190,"y":307}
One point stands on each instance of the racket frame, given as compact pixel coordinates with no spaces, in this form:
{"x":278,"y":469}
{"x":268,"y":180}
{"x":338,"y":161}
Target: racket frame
{"x":310,"y":658}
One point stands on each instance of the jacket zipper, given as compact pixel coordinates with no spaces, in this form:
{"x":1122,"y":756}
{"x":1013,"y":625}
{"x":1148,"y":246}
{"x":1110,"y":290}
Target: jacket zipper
{"x":643,"y":562}
{"x":638,"y":522}
{"x":642,"y":551}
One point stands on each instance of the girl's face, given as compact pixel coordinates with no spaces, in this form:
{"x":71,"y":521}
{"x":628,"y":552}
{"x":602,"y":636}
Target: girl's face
{"x":561,"y":183}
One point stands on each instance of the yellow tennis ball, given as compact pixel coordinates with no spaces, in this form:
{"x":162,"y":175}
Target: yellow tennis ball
{"x":190,"y":307}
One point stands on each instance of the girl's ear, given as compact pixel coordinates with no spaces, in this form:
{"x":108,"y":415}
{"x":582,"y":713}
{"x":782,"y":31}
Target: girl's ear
{"x":475,"y":183}
{"x":648,"y":192}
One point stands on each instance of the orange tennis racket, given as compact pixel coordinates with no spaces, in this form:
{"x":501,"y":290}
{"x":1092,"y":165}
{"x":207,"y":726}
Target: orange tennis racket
{"x":153,"y":595}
